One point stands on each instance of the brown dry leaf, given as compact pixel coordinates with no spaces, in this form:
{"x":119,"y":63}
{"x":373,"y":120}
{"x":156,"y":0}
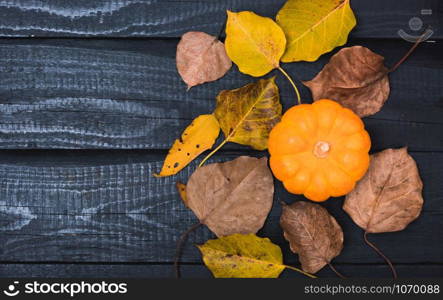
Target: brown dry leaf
{"x":312,"y":233}
{"x":232,"y":197}
{"x":356,"y":78}
{"x":201,"y":58}
{"x":389,"y":196}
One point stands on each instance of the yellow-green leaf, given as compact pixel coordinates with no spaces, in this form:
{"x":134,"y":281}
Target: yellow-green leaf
{"x":242,"y":256}
{"x":197,"y":137}
{"x":254,"y":43}
{"x":247,"y":114}
{"x":314,"y":27}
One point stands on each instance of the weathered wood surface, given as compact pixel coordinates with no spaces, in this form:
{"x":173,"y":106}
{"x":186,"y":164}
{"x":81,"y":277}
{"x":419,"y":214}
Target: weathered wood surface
{"x":172,"y":18}
{"x":198,"y":271}
{"x":111,"y":83}
{"x":109,"y":211}
{"x":114,"y":94}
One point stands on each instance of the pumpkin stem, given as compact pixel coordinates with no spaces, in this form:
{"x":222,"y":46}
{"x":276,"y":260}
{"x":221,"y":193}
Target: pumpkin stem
{"x":178,"y":250}
{"x":335,"y":271}
{"x":292,"y":83}
{"x":394,"y":272}
{"x":321,"y":149}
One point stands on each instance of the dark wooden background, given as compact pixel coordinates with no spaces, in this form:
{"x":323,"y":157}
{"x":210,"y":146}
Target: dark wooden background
{"x":90,"y":102}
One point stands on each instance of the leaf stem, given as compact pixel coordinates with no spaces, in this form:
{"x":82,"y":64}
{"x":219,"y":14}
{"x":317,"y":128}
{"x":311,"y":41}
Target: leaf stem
{"x":335,"y":271}
{"x":300,"y":271}
{"x":407,"y":53}
{"x":392,"y":69}
{"x":180,"y":243}
{"x":394,"y":272}
{"x":292,"y":83}
{"x":213,"y":152}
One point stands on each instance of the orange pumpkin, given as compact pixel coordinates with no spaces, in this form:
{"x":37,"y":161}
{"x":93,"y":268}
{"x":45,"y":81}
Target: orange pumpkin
{"x":319,"y":150}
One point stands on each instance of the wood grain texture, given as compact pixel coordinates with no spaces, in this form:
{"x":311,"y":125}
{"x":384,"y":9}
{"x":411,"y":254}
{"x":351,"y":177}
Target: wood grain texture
{"x":196,"y":271}
{"x":172,"y":18}
{"x":110,"y":211}
{"x":109,"y":94}
{"x":111,"y":83}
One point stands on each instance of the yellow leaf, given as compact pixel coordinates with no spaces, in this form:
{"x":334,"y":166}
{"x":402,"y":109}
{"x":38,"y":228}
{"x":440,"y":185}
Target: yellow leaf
{"x":181,"y":188}
{"x":254,"y":43}
{"x":197,"y":137}
{"x":247,"y":114}
{"x":314,"y":27}
{"x":242,"y":256}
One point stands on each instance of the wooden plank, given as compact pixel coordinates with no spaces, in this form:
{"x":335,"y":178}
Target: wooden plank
{"x":109,"y":211}
{"x":109,"y":94}
{"x":196,"y":271}
{"x":171,"y":18}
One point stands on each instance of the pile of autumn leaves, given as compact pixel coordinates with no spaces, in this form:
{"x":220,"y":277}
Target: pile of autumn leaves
{"x":234,"y":198}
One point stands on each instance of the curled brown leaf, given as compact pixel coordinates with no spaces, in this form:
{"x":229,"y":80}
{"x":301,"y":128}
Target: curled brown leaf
{"x":312,"y":233}
{"x":232,"y":197}
{"x":201,"y":58}
{"x":389,"y":196}
{"x":356,"y":78}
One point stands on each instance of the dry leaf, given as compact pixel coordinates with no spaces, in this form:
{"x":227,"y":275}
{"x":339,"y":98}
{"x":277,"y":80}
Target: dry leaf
{"x":356,"y":78}
{"x":201,"y":58}
{"x":254,"y":43}
{"x":314,"y":27}
{"x":232,"y":197}
{"x":312,"y":233}
{"x":389,"y":196}
{"x":197,"y":137}
{"x":242,"y":256}
{"x":247,"y":114}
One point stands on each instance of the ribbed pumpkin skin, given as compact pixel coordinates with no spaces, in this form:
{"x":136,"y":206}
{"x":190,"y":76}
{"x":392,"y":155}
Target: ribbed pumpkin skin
{"x":319,"y":150}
